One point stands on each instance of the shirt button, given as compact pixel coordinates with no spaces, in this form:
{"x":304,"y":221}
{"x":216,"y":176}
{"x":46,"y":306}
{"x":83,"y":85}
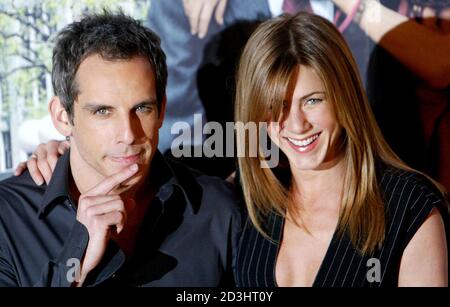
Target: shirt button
{"x":165,"y":192}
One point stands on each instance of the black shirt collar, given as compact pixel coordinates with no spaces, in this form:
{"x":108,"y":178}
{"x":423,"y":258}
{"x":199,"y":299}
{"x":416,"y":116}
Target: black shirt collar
{"x":164,"y":175}
{"x":58,"y":186}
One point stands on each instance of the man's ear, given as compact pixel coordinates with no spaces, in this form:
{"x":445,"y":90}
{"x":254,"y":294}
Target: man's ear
{"x":59,"y":115}
{"x":162,"y":111}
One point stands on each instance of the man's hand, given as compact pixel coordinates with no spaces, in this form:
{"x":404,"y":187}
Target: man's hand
{"x":103,"y":215}
{"x":200,"y":12}
{"x":43,"y":161}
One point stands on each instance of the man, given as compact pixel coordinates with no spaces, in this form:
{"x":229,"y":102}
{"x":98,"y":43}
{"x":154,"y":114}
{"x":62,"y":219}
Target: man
{"x":115,"y":211}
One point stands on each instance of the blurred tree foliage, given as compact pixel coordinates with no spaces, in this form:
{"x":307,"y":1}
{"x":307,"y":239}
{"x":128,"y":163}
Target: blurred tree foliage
{"x":27,"y":30}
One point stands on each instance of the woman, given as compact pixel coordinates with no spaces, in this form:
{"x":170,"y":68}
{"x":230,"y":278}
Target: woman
{"x":344,"y":211}
{"x":340,"y":209}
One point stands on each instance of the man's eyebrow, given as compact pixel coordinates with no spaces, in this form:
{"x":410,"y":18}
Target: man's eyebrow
{"x":95,"y":106}
{"x":150,"y":102}
{"x":310,"y":94}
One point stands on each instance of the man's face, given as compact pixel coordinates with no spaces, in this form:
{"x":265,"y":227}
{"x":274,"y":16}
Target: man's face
{"x":116,"y":119}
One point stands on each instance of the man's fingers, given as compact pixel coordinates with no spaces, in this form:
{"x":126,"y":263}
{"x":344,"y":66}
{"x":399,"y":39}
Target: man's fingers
{"x":199,"y":13}
{"x":220,"y":11}
{"x":193,"y":10}
{"x":115,"y":218}
{"x":109,"y":183}
{"x":34,"y":171}
{"x":85,"y":202}
{"x":105,"y":207}
{"x":187,"y":7}
{"x":99,"y":209}
{"x":205,"y":19}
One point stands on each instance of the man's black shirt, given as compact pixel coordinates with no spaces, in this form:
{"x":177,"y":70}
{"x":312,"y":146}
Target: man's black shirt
{"x":188,"y":236}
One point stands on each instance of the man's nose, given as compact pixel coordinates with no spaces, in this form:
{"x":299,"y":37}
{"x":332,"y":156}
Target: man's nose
{"x":129,"y":128}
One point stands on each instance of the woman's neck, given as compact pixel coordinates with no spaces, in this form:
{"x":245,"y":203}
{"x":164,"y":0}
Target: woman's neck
{"x":309,"y":188}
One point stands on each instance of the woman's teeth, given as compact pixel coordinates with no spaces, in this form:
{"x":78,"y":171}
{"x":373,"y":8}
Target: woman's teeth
{"x":305,"y":142}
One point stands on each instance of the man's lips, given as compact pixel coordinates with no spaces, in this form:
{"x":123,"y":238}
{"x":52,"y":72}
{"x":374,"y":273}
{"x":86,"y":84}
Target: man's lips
{"x":126,"y":160}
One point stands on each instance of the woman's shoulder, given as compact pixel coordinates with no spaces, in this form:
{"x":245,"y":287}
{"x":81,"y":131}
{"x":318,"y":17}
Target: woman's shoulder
{"x":409,"y":197}
{"x":408,"y":184}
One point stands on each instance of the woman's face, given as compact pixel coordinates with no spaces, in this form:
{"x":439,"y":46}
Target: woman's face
{"x":308,"y":132}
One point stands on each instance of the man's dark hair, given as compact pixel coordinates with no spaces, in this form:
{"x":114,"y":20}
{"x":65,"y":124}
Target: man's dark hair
{"x":113,"y":37}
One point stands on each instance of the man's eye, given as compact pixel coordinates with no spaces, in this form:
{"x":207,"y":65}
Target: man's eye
{"x":143,"y":109}
{"x":102,"y":111}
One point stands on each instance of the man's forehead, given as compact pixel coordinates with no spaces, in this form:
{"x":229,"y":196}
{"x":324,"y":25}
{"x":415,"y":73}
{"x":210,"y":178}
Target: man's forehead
{"x":106,"y":59}
{"x":96,"y":65}
{"x":133,"y":78}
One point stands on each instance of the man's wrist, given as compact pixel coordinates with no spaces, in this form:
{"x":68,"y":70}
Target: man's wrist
{"x":346,"y":5}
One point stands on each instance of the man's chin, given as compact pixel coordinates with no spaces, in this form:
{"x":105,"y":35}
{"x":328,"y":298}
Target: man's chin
{"x":131,"y":182}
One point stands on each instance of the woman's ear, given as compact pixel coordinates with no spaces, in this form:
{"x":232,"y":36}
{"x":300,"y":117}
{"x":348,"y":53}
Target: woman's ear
{"x":60,"y":117}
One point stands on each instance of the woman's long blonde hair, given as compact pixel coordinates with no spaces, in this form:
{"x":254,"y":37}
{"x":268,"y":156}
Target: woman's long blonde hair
{"x":271,"y":56}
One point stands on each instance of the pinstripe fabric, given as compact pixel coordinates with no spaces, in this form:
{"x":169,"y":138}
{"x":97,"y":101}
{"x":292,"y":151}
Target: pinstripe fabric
{"x":409,"y":198}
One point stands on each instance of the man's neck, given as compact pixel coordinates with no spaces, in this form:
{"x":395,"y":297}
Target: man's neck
{"x":136,"y":212}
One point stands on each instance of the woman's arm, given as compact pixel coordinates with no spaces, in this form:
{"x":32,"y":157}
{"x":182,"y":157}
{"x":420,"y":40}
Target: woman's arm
{"x":425,"y":260}
{"x":42,"y":162}
{"x":425,"y":52}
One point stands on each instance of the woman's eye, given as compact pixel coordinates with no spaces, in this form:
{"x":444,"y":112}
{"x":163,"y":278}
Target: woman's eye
{"x":313,"y":101}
